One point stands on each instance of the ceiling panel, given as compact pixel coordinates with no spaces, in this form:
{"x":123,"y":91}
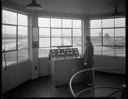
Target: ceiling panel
{"x":75,"y":6}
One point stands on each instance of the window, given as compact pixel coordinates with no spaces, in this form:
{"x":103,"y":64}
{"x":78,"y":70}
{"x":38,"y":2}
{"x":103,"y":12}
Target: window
{"x":108,"y":36}
{"x":55,"y":32}
{"x":14,"y":37}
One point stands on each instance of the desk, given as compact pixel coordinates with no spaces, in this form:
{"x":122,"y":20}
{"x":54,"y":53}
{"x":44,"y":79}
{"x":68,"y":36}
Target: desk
{"x":63,"y":68}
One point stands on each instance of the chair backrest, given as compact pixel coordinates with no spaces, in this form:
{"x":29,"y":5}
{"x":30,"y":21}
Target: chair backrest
{"x":93,"y":85}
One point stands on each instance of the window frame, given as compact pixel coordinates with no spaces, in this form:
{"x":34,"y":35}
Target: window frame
{"x":61,"y":28}
{"x":17,"y":38}
{"x":114,"y":28}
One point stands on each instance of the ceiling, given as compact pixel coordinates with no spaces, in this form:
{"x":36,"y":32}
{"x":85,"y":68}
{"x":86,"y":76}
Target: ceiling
{"x":83,"y":7}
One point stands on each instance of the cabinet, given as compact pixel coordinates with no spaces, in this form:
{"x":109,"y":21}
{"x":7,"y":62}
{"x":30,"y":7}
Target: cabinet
{"x":62,"y":70}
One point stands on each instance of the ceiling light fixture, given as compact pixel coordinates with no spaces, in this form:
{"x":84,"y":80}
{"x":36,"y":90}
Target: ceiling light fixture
{"x":116,"y":12}
{"x":33,"y":6}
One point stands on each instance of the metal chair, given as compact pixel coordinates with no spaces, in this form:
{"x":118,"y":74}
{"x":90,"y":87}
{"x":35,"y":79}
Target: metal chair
{"x":93,"y":86}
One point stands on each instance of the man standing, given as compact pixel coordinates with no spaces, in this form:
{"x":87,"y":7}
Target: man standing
{"x":88,"y":59}
{"x":88,"y":54}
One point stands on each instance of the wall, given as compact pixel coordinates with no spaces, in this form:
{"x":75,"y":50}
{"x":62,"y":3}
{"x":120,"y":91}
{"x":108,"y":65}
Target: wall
{"x":44,"y":67}
{"x":15,"y":75}
{"x":111,"y":62}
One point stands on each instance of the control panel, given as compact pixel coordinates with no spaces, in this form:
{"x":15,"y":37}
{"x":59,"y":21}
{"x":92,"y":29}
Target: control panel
{"x":64,"y":52}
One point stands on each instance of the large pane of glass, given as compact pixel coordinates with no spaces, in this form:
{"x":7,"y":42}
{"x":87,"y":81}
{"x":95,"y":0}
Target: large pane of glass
{"x":22,"y":19}
{"x":95,"y":24}
{"x":77,"y":41}
{"x":44,"y":42}
{"x":66,"y":32}
{"x":97,"y":50}
{"x":22,"y":55}
{"x":120,"y":22}
{"x":66,"y":23}
{"x":107,"y":23}
{"x":3,"y":60}
{"x":77,"y":23}
{"x":96,"y":36}
{"x":22,"y":43}
{"x":108,"y":37}
{"x":55,"y":22}
{"x":22,"y":31}
{"x":44,"y":22}
{"x":77,"y":33}
{"x":56,"y":41}
{"x":66,"y":41}
{"x":120,"y":37}
{"x":11,"y":57}
{"x":108,"y":51}
{"x":9,"y":17}
{"x":56,"y":33}
{"x":44,"y":32}
{"x":9,"y":37}
{"x":43,"y":52}
{"x":9,"y":30}
{"x":120,"y":51}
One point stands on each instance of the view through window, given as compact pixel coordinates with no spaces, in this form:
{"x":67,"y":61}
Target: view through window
{"x":59,"y":32}
{"x":14,"y":37}
{"x":108,"y":36}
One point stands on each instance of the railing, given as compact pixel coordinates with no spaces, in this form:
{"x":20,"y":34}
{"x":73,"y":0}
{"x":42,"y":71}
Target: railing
{"x":93,"y":86}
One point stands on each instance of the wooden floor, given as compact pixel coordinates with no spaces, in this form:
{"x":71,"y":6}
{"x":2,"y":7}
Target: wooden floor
{"x":43,"y":87}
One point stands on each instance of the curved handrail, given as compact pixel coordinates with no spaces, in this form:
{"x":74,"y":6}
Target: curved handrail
{"x":84,"y":70}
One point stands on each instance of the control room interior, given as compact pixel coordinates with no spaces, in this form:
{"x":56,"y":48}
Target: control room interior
{"x":43,"y":48}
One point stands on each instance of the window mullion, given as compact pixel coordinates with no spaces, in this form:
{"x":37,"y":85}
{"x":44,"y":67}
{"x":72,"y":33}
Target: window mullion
{"x":17,"y":38}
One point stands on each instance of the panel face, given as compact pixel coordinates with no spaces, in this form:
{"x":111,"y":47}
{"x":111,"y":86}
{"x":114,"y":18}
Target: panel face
{"x":64,"y":69}
{"x":64,"y":52}
{"x":63,"y":72}
{"x":78,"y":65}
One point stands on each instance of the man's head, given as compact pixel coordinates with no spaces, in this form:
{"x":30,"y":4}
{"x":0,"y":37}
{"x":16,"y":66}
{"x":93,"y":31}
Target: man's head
{"x":88,"y":39}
